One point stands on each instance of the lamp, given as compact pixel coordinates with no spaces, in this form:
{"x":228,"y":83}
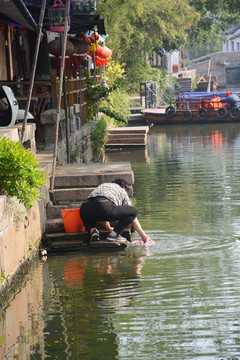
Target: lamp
{"x":56,"y":16}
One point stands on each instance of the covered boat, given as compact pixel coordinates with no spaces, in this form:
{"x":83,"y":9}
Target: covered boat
{"x":195,"y":107}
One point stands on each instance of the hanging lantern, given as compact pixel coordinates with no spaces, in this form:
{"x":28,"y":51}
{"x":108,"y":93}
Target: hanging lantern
{"x":55,"y":48}
{"x":101,"y":55}
{"x":77,"y":60}
{"x":58,"y":62}
{"x":80,"y":46}
{"x":56,"y":16}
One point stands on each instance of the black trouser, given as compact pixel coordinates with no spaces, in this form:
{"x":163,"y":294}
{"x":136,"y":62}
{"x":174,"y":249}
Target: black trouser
{"x":101,"y":209}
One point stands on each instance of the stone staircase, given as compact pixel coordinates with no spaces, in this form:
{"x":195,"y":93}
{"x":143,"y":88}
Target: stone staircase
{"x":127,"y":137}
{"x":136,"y":116}
{"x":72,"y":185}
{"x":185,"y":84}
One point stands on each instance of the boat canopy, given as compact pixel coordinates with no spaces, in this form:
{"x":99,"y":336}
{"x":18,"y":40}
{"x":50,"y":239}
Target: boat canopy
{"x":205,"y":95}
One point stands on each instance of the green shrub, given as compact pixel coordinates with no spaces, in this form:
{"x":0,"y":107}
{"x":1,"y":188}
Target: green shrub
{"x":99,"y":137}
{"x":19,"y":175}
{"x":117,"y":106}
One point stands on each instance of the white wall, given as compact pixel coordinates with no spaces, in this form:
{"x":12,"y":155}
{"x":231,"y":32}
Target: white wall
{"x":172,"y":58}
{"x":232,"y":42}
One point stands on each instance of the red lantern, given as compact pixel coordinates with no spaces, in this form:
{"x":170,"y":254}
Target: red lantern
{"x":77,"y":60}
{"x":80,"y":46}
{"x":54,"y":47}
{"x":101,"y":55}
{"x":67,"y":62}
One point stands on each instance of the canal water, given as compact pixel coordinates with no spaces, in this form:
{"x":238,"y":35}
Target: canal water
{"x":178,"y":299}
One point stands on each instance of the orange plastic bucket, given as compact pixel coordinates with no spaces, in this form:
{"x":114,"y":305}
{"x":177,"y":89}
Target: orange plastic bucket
{"x":72,"y":221}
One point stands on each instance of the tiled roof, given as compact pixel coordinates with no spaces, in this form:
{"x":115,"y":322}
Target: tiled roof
{"x":232,"y":29}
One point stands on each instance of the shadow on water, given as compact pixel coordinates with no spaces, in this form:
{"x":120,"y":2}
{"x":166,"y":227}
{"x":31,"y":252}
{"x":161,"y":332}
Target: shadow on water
{"x":179,"y":299}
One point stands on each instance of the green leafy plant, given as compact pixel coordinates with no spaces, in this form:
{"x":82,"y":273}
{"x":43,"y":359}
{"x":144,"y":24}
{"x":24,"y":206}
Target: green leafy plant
{"x":19,"y":175}
{"x":117,"y":107}
{"x":113,"y":114}
{"x":96,"y":92}
{"x":114,"y":71}
{"x":99,"y":137}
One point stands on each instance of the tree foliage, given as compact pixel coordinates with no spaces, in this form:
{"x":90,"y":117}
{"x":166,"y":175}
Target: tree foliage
{"x":214,"y":16}
{"x":136,"y":28}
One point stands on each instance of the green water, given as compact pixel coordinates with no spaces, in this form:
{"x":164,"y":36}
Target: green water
{"x":179,"y":299}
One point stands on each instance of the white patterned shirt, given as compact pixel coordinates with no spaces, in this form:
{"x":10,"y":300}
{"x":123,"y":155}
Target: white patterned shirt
{"x":112,"y":192}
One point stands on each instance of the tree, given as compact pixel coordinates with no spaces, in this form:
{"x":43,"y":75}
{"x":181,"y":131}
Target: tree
{"x":215,"y":15}
{"x":138,"y":27}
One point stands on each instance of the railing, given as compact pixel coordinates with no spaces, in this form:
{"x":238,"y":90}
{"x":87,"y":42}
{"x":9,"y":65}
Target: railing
{"x":152,"y":96}
{"x":44,"y":93}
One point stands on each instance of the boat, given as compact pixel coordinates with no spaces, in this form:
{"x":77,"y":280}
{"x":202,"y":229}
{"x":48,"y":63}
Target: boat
{"x":204,"y":82}
{"x":194,"y":107}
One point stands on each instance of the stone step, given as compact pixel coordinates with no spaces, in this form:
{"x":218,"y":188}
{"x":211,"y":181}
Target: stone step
{"x":134,"y":122}
{"x":54,"y":211}
{"x":127,"y":136}
{"x":68,"y":242}
{"x":55,"y":236}
{"x":83,"y":236}
{"x":69,"y":195}
{"x":91,"y":175}
{"x":135,"y":116}
{"x":130,"y":130}
{"x":54,"y":226}
{"x":127,"y":141}
{"x":122,"y":145}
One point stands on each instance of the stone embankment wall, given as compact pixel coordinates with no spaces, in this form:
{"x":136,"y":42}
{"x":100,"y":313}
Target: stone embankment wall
{"x":19,"y":242}
{"x":78,"y":136}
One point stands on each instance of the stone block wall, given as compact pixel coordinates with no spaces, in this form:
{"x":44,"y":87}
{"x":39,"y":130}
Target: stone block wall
{"x":217,"y":68}
{"x":19,"y":242}
{"x":14,"y":133}
{"x":79,"y":136}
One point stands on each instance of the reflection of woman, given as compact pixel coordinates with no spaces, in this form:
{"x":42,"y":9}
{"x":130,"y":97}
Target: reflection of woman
{"x":110,"y":202}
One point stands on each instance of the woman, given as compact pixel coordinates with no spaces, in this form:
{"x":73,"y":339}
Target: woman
{"x":110,"y":202}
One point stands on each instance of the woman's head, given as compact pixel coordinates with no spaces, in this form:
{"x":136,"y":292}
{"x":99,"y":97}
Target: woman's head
{"x":125,"y":185}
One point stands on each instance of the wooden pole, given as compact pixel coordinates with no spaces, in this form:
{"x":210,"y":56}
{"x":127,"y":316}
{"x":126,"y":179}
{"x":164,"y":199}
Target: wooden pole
{"x":80,"y":94}
{"x":9,"y":41}
{"x":66,"y":105}
{"x":31,"y":82}
{"x":59,"y":99}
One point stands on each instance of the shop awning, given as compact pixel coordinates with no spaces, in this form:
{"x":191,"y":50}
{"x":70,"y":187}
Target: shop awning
{"x":15,"y":11}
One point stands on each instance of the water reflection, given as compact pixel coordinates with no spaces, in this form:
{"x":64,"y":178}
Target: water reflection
{"x":83,"y":290}
{"x":21,"y":324}
{"x":179,"y":299}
